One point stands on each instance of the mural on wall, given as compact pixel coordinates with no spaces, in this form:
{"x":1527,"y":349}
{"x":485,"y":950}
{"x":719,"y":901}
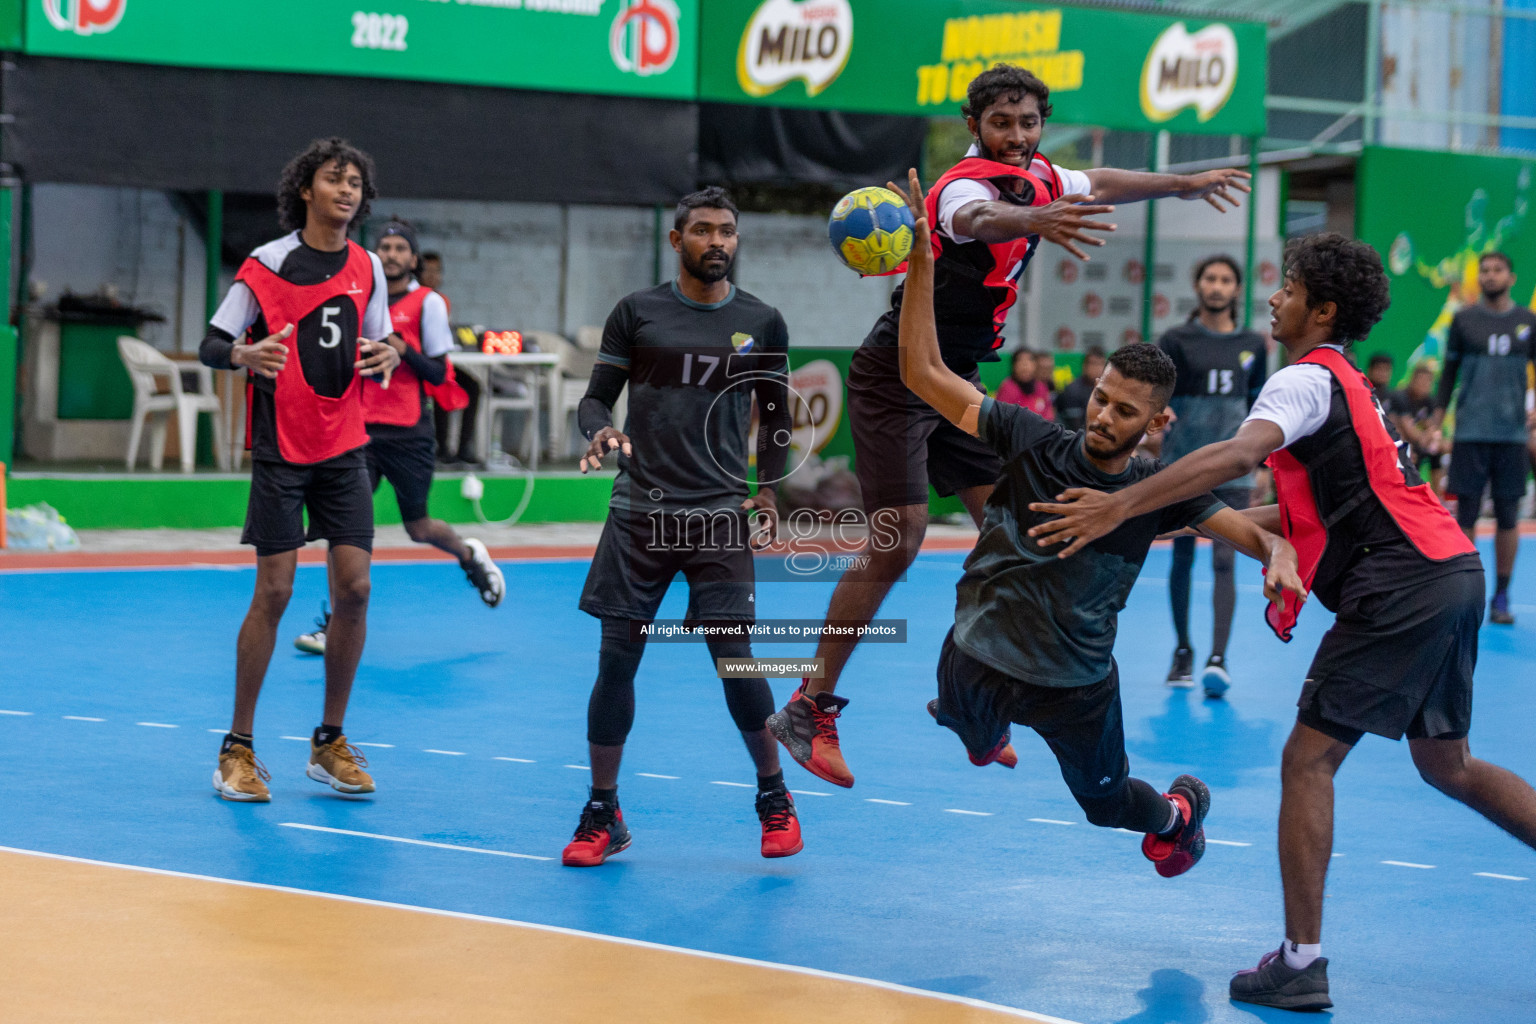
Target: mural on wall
{"x":1431,"y":240}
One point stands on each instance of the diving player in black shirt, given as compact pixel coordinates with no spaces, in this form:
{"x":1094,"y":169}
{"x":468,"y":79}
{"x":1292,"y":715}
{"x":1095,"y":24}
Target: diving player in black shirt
{"x":1033,"y":637}
{"x":693,"y":352}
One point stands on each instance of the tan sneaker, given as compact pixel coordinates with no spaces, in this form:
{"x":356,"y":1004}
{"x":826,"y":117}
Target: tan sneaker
{"x":339,"y":765}
{"x":240,"y":776}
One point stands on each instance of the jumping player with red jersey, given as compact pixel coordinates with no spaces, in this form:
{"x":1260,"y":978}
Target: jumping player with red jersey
{"x":402,"y":445}
{"x":990,"y":212}
{"x":317,"y":297}
{"x":1378,"y":549}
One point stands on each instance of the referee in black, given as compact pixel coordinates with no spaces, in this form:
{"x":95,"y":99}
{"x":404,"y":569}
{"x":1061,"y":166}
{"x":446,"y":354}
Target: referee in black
{"x":694,"y":352}
{"x":1489,"y":348}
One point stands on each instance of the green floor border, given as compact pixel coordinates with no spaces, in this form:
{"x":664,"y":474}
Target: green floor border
{"x":140,"y":502}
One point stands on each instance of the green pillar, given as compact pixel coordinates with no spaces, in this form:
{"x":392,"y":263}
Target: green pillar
{"x":7,"y":337}
{"x":1253,"y":220}
{"x":214,"y":245}
{"x":1149,"y":248}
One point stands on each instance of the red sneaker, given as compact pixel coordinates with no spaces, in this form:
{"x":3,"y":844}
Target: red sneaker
{"x":1173,"y":855}
{"x":1002,"y":754}
{"x":808,"y":729}
{"x":781,"y":826}
{"x":600,"y":834}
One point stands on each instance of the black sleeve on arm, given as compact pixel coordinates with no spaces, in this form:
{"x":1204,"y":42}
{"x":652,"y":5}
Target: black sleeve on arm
{"x":216,"y":348}
{"x":596,"y":409}
{"x":1452,"y":364}
{"x":433,"y":371}
{"x":775,"y":424}
{"x":1190,"y":512}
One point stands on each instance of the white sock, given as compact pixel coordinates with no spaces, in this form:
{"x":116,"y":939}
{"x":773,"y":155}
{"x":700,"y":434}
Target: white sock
{"x":1300,"y":954}
{"x":1173,"y":818}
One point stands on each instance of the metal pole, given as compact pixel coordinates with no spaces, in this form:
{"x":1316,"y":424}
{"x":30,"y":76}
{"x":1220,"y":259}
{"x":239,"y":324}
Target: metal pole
{"x":7,"y":337}
{"x":214,"y":246}
{"x":1253,"y":220}
{"x":1368,"y":127}
{"x":1158,"y":160}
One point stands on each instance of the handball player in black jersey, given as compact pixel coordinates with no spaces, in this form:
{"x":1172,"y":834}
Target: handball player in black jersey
{"x":694,"y":352}
{"x":306,"y":318}
{"x":1034,"y":636}
{"x":1378,"y":549}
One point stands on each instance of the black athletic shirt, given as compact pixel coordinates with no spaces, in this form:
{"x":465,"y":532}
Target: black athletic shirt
{"x":1487,"y":353}
{"x":692,"y":372}
{"x":1219,"y":376}
{"x":1019,"y":608}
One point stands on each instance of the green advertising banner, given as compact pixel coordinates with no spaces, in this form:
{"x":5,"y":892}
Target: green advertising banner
{"x":1112,"y":69}
{"x":624,"y":47}
{"x":1431,"y":238}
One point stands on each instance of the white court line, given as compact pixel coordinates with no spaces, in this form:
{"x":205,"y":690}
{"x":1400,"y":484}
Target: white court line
{"x":580,"y":767}
{"x":943,"y":997}
{"x":739,"y":785}
{"x":450,"y":753}
{"x":218,"y":732}
{"x":978,"y":814}
{"x":1507,"y":878}
{"x":1338,"y":855}
{"x":157,"y":725}
{"x":301,"y":739}
{"x":413,"y":842}
{"x":519,"y":760}
{"x":892,"y":803}
{"x":653,"y":775}
{"x":809,"y":792}
{"x":1129,"y":832}
{"x":383,"y":746}
{"x":1226,"y":842}
{"x":1409,"y":864}
{"x":1052,"y":821}
{"x":82,"y":718}
{"x":17,"y":713}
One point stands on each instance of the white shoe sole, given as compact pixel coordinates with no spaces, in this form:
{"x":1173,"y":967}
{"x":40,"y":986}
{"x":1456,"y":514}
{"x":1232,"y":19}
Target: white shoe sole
{"x":309,"y":646}
{"x":1181,"y":684}
{"x":1215,"y":681}
{"x":482,"y":557}
{"x":319,"y":774}
{"x":231,"y":793}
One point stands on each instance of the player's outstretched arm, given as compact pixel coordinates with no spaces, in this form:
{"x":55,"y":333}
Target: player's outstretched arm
{"x":1219,"y":187}
{"x":1067,"y":222}
{"x":1086,"y":515}
{"x":922,"y":368}
{"x":1274,"y":551}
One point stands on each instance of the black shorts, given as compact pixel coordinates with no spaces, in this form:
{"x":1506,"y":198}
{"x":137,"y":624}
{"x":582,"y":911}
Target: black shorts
{"x":639,"y":553}
{"x":336,"y":493}
{"x":1398,"y":662}
{"x":1477,"y":464}
{"x":900,"y":444}
{"x":407,"y":463}
{"x":1082,"y":724}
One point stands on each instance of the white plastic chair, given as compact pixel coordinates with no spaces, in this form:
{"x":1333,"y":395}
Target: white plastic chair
{"x":145,"y":365}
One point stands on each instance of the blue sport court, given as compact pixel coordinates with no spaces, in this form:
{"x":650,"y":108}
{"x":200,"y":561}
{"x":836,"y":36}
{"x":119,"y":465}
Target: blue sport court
{"x":984,"y":886}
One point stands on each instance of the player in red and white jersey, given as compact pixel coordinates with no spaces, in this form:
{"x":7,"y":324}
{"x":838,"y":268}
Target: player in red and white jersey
{"x":306,"y":318}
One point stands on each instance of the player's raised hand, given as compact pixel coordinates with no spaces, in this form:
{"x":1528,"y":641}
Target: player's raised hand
{"x":918,"y":207}
{"x":1217,"y":187}
{"x":266,"y":357}
{"x":604,"y":441}
{"x":1067,"y":221}
{"x":1085,"y":516}
{"x":375,"y":358}
{"x":766,"y":506}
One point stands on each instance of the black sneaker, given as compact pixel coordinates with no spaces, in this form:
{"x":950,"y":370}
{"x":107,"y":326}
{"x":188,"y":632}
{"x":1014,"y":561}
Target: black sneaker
{"x":1498,"y":610}
{"x":483,"y":573}
{"x":1181,"y":675}
{"x":1173,"y":855}
{"x":600,"y":834}
{"x":1272,"y":983}
{"x":314,"y":643}
{"x":1214,"y":680}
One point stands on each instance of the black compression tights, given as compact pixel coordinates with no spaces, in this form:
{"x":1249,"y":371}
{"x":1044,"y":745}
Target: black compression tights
{"x":1223,"y":600}
{"x":611,"y":709}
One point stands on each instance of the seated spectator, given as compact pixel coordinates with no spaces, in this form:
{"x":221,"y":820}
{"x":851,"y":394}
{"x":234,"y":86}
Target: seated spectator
{"x":1379,"y":372}
{"x":1412,"y":411}
{"x":1072,"y":403}
{"x":1023,"y":386}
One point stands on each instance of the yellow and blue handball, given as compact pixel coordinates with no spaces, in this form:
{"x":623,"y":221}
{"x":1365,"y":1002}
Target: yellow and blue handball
{"x":871,"y":230}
